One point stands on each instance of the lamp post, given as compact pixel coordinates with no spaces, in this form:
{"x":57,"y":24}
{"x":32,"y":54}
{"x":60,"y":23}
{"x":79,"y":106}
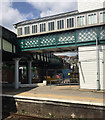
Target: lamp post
{"x":98,"y":64}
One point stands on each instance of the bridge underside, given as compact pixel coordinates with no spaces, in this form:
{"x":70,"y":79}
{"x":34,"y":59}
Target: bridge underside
{"x":52,"y":50}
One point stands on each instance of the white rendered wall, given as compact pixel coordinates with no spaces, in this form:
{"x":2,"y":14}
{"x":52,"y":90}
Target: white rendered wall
{"x":85,"y":5}
{"x":88,"y":67}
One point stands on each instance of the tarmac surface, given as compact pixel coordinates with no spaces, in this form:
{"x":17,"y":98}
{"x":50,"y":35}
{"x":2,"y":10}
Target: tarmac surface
{"x":69,"y":94}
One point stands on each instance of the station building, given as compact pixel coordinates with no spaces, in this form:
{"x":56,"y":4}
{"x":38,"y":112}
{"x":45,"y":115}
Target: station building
{"x":82,"y":30}
{"x":9,"y":50}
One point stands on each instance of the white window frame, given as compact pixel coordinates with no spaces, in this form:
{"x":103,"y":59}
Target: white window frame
{"x":57,"y":25}
{"x":29,"y":29}
{"x":37,"y":28}
{"x":79,"y":16}
{"x":99,"y":16}
{"x":69,"y":18}
{"x":96,"y":18}
{"x":45,"y":27}
{"x":22,"y":31}
{"x":48,"y":26}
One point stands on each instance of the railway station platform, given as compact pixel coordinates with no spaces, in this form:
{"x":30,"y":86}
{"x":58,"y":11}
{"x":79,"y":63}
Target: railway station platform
{"x":60,"y":101}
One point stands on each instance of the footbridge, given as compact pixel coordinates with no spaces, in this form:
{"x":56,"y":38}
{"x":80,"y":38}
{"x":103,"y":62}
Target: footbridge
{"x":62,"y":40}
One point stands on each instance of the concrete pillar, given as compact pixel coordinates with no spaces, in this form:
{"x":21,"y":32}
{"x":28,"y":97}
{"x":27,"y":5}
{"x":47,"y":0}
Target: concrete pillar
{"x":29,"y":72}
{"x":16,"y":82}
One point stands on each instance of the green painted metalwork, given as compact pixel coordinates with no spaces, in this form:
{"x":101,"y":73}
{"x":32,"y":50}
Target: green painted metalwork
{"x":44,"y":58}
{"x":102,"y":33}
{"x":66,"y":38}
{"x":85,"y":35}
{"x":78,"y":37}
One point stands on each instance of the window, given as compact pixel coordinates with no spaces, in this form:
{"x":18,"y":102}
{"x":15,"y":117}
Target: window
{"x":60,"y":24}
{"x":19,"y":31}
{"x":42,"y":57}
{"x":92,"y":18}
{"x":42,"y":27}
{"x":51,"y":26}
{"x":14,"y":49}
{"x":38,"y":56}
{"x":27,"y":30}
{"x":7,"y":46}
{"x":34,"y":29}
{"x":102,"y":17}
{"x":0,"y":42}
{"x":80,"y":20}
{"x":70,"y":22}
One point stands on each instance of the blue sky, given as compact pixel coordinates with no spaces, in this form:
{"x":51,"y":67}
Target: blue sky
{"x":25,"y":8}
{"x":12,"y":12}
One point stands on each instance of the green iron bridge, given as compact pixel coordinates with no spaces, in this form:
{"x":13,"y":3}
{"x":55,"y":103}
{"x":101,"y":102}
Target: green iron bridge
{"x":77,"y":37}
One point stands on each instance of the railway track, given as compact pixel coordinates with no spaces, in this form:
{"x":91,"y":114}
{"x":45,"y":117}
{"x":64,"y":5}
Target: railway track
{"x":15,"y":116}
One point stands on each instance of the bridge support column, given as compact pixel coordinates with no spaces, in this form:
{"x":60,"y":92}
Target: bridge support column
{"x":16,"y":82}
{"x":29,"y":72}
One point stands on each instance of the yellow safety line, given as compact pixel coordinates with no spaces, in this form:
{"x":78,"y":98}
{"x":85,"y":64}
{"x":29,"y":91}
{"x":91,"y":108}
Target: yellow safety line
{"x":60,"y":96}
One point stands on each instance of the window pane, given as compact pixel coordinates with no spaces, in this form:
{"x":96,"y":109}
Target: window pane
{"x":7,"y":46}
{"x":19,"y":31}
{"x":102,"y":17}
{"x":92,"y":18}
{"x":52,"y":25}
{"x":57,"y":24}
{"x":14,"y":49}
{"x":0,"y":42}
{"x":80,"y":20}
{"x":34,"y":29}
{"x":89,"y":19}
{"x":40,"y":28}
{"x":49,"y":26}
{"x":62,"y":23}
{"x":67,"y":23}
{"x":70,"y":22}
{"x":44,"y":27}
{"x":27,"y":30}
{"x":83,"y":20}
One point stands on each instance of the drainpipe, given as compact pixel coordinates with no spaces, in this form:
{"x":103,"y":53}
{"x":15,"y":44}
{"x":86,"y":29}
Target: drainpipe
{"x":98,"y":64}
